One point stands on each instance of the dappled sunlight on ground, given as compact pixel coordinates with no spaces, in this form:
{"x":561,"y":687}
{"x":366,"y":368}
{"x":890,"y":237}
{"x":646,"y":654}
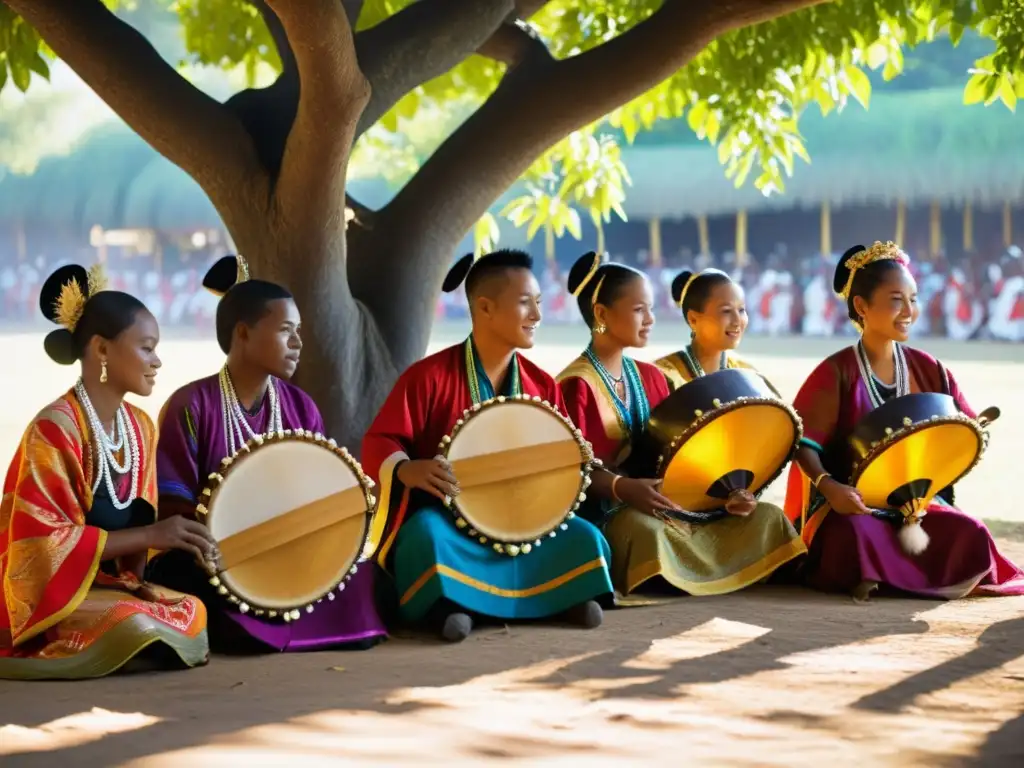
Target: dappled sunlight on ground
{"x":803,"y":712}
{"x":770,"y":676}
{"x":70,"y":731}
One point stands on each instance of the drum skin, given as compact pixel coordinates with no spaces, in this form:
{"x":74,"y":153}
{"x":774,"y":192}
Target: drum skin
{"x":523,"y":469}
{"x":291,"y":515}
{"x":714,"y":435}
{"x":910,"y":448}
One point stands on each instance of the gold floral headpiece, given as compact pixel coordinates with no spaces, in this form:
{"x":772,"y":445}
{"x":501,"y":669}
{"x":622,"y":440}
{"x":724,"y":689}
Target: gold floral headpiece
{"x":878,"y":252}
{"x":70,"y":303}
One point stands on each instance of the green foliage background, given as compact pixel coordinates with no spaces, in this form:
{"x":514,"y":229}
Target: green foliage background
{"x":745,"y":93}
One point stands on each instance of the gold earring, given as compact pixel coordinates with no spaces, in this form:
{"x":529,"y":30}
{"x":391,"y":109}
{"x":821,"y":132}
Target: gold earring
{"x":600,"y":328}
{"x":103,"y":371}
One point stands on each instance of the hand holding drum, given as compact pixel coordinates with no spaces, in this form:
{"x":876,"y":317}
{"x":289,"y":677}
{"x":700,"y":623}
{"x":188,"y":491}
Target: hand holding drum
{"x":644,"y":495}
{"x":740,"y":503}
{"x":178,"y":532}
{"x":431,"y":475}
{"x":844,"y":499}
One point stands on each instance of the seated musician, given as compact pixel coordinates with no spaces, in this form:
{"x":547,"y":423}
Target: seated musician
{"x":610,"y":396}
{"x":202,"y":423}
{"x":851,"y":550}
{"x":440,"y":573}
{"x":78,"y":515}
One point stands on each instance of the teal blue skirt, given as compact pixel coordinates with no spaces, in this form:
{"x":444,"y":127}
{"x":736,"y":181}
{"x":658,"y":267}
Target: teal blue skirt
{"x":434,"y":560}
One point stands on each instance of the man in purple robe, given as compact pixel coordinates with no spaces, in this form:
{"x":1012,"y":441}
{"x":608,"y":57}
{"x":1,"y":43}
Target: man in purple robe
{"x":258,"y":327}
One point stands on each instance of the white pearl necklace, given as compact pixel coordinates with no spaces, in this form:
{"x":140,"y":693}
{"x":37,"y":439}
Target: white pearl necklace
{"x":236,"y":427}
{"x":899,"y":364}
{"x":106,"y":448}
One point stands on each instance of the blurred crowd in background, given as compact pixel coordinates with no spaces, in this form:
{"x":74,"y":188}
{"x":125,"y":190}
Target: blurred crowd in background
{"x":786,"y":293}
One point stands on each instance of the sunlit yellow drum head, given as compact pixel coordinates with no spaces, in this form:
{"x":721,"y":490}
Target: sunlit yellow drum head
{"x":744,"y":446}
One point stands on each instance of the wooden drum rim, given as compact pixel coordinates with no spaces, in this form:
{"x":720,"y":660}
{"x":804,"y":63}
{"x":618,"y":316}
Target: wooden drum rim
{"x":894,"y":435}
{"x":587,"y":463}
{"x":703,"y":418}
{"x":216,"y":479}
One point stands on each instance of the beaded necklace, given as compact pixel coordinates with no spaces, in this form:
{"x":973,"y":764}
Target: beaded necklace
{"x":236,"y":427}
{"x":480,"y":387}
{"x":694,"y":364}
{"x":867,"y":375}
{"x":632,"y":411}
{"x":106,"y":448}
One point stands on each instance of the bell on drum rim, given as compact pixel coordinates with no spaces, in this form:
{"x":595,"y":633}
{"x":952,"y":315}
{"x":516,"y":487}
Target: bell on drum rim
{"x":908,"y":451}
{"x":263,"y":526}
{"x":716,"y":434}
{"x":513,"y":499}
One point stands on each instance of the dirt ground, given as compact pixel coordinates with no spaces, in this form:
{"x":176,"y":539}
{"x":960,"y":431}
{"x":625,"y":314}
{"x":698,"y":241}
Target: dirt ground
{"x":770,"y":676}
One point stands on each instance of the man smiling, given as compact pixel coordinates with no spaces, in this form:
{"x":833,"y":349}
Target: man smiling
{"x":439,"y":572}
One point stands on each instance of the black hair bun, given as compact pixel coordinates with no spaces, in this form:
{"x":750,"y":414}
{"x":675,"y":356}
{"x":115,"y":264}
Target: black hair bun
{"x":581,"y":268}
{"x":55,"y":283}
{"x":842,"y":273}
{"x":678,"y":283}
{"x":60,"y":347}
{"x":458,"y":273}
{"x":222,"y":276}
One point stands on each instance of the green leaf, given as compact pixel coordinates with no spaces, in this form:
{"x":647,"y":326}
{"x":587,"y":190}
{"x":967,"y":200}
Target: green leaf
{"x":860,"y":85}
{"x":974,"y":91}
{"x":1007,"y":94}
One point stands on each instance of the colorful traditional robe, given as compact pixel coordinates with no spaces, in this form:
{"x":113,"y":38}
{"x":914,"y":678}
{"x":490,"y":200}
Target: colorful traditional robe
{"x":709,"y":559}
{"x":192,"y":445}
{"x":431,"y":558}
{"x":847,"y":549}
{"x":64,"y":613}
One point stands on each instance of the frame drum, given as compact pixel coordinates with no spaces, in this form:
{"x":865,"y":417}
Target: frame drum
{"x":291,"y":514}
{"x":911,"y":448}
{"x":523,"y":470}
{"x":716,"y":434}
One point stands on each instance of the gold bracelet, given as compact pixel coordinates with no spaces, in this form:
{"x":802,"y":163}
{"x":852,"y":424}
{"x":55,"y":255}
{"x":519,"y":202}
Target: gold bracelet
{"x":614,"y":481}
{"x":819,"y":478}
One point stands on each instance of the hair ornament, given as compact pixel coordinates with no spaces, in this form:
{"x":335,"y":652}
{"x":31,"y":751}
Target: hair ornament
{"x":459,"y":272}
{"x":70,"y":302}
{"x":597,"y":261}
{"x":226,"y":272}
{"x":878,"y":252}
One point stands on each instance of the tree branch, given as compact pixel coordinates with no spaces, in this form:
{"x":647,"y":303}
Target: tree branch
{"x":512,"y":43}
{"x":539,"y":102}
{"x":284,"y":49}
{"x":310,"y":186}
{"x":182,"y":123}
{"x":421,"y":42}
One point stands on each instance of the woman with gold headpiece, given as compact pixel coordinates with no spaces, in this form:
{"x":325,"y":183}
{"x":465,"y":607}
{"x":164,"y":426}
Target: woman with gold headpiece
{"x":78,"y":511}
{"x":258,"y":327}
{"x":849,"y":549}
{"x":610,"y":397}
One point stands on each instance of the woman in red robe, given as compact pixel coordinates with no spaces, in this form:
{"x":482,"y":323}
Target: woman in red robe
{"x":439,"y":571}
{"x":703,"y":559}
{"x":849,"y":548}
{"x":78,"y":509}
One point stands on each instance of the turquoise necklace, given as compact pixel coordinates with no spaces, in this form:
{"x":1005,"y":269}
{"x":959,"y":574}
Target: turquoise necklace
{"x":633,"y":410}
{"x":480,"y":387}
{"x":695,"y":367}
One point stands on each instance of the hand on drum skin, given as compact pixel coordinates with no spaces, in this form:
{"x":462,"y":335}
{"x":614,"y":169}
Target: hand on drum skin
{"x":177,"y":532}
{"x":644,"y":495}
{"x":431,"y":475}
{"x":842,"y":498}
{"x":740,"y":503}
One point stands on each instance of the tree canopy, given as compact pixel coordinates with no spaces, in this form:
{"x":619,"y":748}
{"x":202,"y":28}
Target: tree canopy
{"x":537,"y":100}
{"x":745,"y":92}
